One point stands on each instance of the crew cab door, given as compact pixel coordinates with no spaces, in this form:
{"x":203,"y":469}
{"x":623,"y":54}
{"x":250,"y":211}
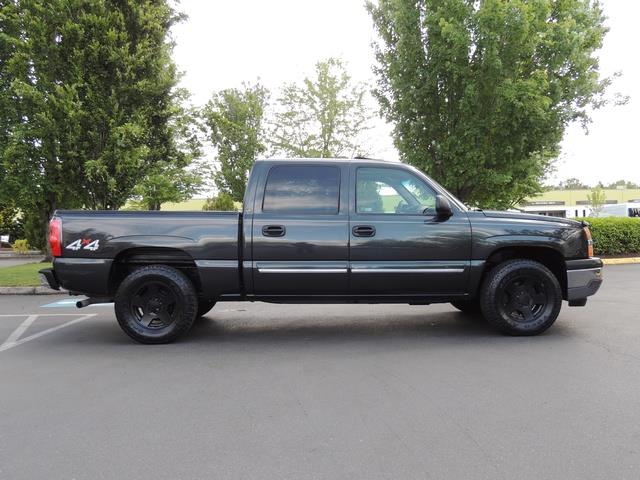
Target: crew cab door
{"x":300,"y":230}
{"x":399,"y":246}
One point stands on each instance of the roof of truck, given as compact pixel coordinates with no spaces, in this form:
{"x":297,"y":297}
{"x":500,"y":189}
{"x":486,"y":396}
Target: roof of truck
{"x":347,"y":160}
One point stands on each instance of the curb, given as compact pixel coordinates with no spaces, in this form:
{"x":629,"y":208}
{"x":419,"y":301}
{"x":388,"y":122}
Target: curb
{"x":620,"y":261}
{"x":17,"y":256}
{"x":30,"y":291}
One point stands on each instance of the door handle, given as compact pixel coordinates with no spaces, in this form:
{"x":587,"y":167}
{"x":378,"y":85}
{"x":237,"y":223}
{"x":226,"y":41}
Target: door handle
{"x":363,"y":231}
{"x":274,"y":230}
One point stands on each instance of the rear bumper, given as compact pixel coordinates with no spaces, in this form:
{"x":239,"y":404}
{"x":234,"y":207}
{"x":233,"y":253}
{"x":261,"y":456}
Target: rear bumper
{"x":584,"y":278}
{"x":88,"y":276}
{"x":48,"y":278}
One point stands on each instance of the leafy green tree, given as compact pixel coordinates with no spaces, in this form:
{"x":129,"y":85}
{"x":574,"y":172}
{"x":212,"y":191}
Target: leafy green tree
{"x":222,"y":203}
{"x":481,"y":92}
{"x":235,"y":120}
{"x":596,"y":199}
{"x":181,"y":176}
{"x":323,"y":117}
{"x":41,"y":172}
{"x":91,"y":89}
{"x":165,"y":182}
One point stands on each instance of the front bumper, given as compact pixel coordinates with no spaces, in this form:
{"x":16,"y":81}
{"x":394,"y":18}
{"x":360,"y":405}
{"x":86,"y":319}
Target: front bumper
{"x":584,"y":278}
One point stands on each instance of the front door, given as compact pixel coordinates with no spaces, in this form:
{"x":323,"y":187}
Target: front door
{"x":300,"y":230}
{"x":399,"y":246}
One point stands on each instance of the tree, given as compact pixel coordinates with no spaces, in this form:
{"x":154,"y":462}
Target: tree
{"x":323,"y":117}
{"x":235,"y":118}
{"x":165,"y":182}
{"x":38,"y":114}
{"x":596,"y":199}
{"x":181,"y":176}
{"x":573,"y":184}
{"x":92,"y":90}
{"x":481,"y":92}
{"x":222,"y":203}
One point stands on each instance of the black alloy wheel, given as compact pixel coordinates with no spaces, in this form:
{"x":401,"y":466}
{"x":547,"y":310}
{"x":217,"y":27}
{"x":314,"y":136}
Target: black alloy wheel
{"x":156,"y":304}
{"x":521,"y":297}
{"x":525,"y":298}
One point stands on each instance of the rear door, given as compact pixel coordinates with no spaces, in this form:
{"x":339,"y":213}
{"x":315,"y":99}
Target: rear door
{"x":398,"y":245}
{"x":300,"y":230}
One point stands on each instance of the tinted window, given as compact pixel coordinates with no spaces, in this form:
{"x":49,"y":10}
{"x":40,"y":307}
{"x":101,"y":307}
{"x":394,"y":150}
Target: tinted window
{"x":303,"y":189}
{"x":390,"y":190}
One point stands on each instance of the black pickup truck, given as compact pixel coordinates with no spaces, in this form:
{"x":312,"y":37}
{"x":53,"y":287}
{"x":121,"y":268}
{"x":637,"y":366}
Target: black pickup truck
{"x":325,"y":231}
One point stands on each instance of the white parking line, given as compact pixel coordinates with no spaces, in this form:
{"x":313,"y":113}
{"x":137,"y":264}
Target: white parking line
{"x":14,"y":339}
{"x":17,"y":333}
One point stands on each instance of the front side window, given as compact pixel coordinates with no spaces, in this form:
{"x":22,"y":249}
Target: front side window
{"x":302,"y":189}
{"x":392,"y":191}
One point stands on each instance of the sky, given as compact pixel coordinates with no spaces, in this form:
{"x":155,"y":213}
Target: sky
{"x":224,"y":43}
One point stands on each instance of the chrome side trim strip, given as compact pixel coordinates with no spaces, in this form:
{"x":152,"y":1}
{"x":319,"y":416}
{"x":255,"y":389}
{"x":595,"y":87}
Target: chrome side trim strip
{"x":302,"y":270}
{"x":407,"y":270}
{"x":361,"y":270}
{"x":217,"y":263}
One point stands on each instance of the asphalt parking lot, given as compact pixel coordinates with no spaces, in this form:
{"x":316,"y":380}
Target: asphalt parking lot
{"x":260,"y":391}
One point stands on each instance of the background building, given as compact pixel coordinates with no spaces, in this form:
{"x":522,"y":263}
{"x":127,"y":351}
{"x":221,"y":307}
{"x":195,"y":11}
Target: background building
{"x":575,"y":203}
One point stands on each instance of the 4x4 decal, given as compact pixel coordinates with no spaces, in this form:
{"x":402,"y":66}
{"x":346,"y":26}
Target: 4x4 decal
{"x":84,"y":244}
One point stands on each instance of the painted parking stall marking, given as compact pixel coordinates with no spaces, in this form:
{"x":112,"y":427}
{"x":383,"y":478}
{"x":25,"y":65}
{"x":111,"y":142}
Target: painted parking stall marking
{"x":15,"y":338}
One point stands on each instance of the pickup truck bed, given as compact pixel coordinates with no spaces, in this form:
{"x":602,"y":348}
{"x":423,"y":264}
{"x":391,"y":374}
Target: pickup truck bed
{"x":204,"y":243}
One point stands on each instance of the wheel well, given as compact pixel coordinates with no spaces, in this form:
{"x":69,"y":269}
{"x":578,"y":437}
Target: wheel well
{"x":550,"y":258}
{"x":128,"y":260}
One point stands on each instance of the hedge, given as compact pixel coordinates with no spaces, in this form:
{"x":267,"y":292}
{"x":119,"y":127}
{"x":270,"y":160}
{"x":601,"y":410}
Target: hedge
{"x":615,"y":235}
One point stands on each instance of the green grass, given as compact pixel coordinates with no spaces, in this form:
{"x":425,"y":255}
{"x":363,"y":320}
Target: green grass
{"x":21,"y":275}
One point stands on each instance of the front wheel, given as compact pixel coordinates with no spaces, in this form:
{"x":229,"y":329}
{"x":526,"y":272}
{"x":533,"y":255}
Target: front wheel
{"x":156,"y":304}
{"x":521,"y":297}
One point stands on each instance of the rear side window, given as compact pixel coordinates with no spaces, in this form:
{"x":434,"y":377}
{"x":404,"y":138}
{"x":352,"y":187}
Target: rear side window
{"x":303,"y":189}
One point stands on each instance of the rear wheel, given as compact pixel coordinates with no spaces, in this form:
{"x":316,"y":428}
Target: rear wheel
{"x":521,"y":297}
{"x":156,"y":304}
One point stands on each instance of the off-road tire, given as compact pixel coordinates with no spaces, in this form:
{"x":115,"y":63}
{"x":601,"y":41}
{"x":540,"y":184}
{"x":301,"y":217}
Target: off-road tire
{"x":521,"y":297}
{"x":156,"y":304}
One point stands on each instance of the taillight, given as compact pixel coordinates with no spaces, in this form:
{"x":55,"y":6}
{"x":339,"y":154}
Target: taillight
{"x":587,"y":234}
{"x":55,"y":236}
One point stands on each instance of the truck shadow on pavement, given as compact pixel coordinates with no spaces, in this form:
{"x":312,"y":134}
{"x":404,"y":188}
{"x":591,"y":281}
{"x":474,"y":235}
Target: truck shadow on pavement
{"x":240,"y":328}
{"x":458,"y":327}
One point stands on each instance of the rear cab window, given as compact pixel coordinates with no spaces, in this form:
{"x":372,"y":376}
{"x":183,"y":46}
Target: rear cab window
{"x":302,"y":189}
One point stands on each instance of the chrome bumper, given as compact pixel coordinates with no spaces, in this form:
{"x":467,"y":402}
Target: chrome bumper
{"x":584,"y":278}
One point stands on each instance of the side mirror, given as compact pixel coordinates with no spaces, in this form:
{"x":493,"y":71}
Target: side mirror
{"x":443,"y":207}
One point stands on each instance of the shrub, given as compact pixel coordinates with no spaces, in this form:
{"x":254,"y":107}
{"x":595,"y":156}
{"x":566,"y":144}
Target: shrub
{"x":21,"y":246}
{"x":615,"y":235}
{"x":11,"y":223}
{"x":223,"y":202}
